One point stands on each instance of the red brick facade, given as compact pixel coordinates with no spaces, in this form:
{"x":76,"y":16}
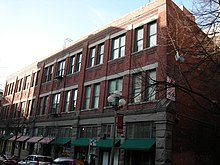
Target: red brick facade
{"x":182,"y":131}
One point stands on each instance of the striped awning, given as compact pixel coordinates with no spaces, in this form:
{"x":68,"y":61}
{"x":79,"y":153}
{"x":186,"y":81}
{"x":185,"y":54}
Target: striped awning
{"x":14,"y":138}
{"x":35,"y":139}
{"x":22,"y":138}
{"x":46,"y":140}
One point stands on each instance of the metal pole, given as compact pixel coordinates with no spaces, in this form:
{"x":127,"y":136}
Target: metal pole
{"x":113,"y":138}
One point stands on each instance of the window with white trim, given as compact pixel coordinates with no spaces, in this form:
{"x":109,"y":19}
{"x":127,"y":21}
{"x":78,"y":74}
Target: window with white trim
{"x":87,"y":97}
{"x":118,"y":47}
{"x":60,"y":69}
{"x":41,"y":106}
{"x":92,"y":52}
{"x":96,"y":94}
{"x":67,"y":101}
{"x":136,"y":87}
{"x":152,"y":34}
{"x":115,"y":85}
{"x":139,"y":39}
{"x":73,"y":100}
{"x":27,"y":82}
{"x":100,"y":54}
{"x":55,"y":103}
{"x":78,"y":62}
{"x":151,"y":85}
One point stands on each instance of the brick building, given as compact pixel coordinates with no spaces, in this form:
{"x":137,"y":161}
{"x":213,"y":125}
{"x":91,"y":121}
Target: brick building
{"x":58,"y":106}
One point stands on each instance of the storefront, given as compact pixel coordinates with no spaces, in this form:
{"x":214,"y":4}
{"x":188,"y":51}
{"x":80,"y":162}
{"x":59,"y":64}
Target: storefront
{"x":139,"y":151}
{"x":4,"y":139}
{"x":104,"y":146}
{"x":34,"y":147}
{"x":61,"y":147}
{"x":46,"y":146}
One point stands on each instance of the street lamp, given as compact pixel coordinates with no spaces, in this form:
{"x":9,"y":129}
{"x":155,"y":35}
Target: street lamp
{"x":115,"y":100}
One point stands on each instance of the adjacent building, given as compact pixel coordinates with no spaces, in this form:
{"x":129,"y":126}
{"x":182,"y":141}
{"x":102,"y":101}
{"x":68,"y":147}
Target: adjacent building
{"x":58,"y":106}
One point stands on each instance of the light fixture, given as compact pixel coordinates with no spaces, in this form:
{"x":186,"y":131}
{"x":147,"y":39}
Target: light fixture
{"x":178,"y":57}
{"x":116,"y":100}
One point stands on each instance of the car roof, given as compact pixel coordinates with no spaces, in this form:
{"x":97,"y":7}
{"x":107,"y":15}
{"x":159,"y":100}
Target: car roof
{"x":39,"y":156}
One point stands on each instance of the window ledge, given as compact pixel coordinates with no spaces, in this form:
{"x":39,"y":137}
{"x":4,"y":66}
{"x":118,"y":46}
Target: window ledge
{"x":143,"y":102}
{"x":143,"y":50}
{"x":116,"y":59}
{"x":91,"y":109}
{"x":93,"y":67}
{"x":71,"y":74}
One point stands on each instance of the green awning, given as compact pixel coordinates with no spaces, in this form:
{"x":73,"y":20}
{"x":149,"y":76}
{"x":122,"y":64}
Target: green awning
{"x":106,"y":143}
{"x":61,"y":141}
{"x":138,"y":144}
{"x":83,"y":142}
{"x":6,"y":137}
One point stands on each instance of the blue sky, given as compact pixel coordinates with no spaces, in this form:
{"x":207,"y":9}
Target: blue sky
{"x":32,"y":29}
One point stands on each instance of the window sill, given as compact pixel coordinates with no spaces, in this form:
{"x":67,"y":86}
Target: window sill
{"x":143,"y":50}
{"x":71,"y":74}
{"x":93,"y":67}
{"x":143,"y":102}
{"x":116,"y":59}
{"x":91,"y":109}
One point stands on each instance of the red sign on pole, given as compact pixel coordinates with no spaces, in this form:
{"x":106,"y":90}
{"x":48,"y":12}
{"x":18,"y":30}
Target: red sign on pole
{"x":120,"y":124}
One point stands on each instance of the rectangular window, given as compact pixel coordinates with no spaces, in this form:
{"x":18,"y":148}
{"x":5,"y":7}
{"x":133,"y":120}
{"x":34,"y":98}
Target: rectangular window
{"x":55,"y":103}
{"x":92,"y":57}
{"x":78,"y":62}
{"x":34,"y":78}
{"x":8,"y":88}
{"x":136,"y":91}
{"x":37,"y":77}
{"x":152,"y":34}
{"x":140,"y":130}
{"x":11,"y":87}
{"x":139,"y":36}
{"x":60,"y":69}
{"x":15,"y":111}
{"x":107,"y":130}
{"x":100,"y":54}
{"x":50,"y":73}
{"x":150,"y":85}
{"x":31,"y":110}
{"x":27,"y":82}
{"x":88,"y":132}
{"x":118,"y":47}
{"x":41,"y":106}
{"x":67,"y":101}
{"x":72,"y":64}
{"x":87,"y":97}
{"x":96,"y":94}
{"x":74,"y":99}
{"x":115,"y":85}
{"x":46,"y":100}
{"x":23,"y":104}
{"x":19,"y":85}
{"x":45,"y":74}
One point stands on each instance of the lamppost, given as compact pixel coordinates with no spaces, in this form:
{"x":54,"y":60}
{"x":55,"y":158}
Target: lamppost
{"x":116,"y":101}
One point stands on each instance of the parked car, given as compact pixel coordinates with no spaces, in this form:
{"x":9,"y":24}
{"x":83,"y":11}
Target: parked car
{"x":69,"y":161}
{"x":64,"y":161}
{"x":37,"y":160}
{"x":4,"y":160}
